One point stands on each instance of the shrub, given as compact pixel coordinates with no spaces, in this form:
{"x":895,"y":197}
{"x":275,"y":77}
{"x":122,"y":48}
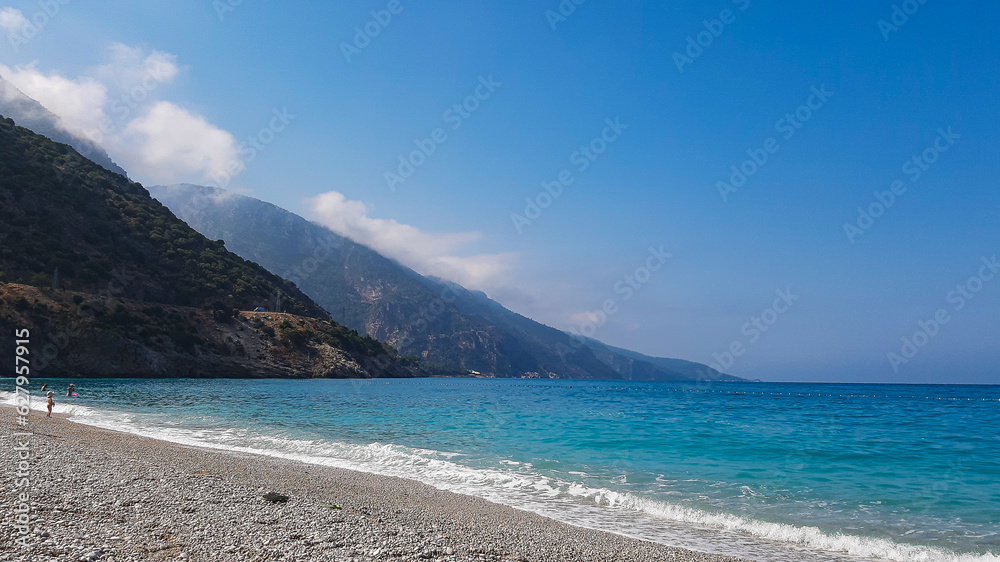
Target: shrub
{"x":154,"y":311}
{"x":294,"y":338}
{"x":40,"y":280}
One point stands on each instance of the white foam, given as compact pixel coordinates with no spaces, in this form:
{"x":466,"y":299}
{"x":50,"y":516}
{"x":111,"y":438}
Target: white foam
{"x":809,"y":537}
{"x":568,"y":501}
{"x":38,"y":403}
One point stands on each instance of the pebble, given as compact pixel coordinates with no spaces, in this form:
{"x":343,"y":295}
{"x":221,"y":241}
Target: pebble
{"x":141,"y":500}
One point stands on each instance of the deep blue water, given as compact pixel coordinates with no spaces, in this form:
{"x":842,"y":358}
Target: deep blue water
{"x":769,"y":471}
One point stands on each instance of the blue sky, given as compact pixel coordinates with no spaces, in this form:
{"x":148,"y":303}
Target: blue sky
{"x":656,"y":184}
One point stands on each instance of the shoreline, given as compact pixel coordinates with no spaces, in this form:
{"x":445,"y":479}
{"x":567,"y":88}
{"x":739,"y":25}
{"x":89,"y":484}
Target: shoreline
{"x":138,"y":498}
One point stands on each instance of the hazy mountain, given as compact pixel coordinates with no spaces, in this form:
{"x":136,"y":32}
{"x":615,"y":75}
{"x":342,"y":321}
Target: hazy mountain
{"x":113,"y":284}
{"x":448,"y":326}
{"x":30,"y":114}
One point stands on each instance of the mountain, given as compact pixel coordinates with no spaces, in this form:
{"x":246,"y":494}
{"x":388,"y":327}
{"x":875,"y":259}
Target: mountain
{"x":113,"y":283}
{"x":30,"y":114}
{"x":452,"y":329}
{"x":638,"y":364}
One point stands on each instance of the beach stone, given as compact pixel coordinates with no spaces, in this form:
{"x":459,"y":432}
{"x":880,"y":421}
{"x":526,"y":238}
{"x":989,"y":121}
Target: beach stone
{"x":82,"y":500}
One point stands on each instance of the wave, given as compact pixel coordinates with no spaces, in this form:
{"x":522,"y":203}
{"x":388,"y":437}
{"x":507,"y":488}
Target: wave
{"x":809,"y":537}
{"x":519,"y":486}
{"x":38,"y":403}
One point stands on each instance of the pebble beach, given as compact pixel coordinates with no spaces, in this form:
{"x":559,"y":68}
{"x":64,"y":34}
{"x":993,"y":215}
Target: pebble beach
{"x":104,"y":495}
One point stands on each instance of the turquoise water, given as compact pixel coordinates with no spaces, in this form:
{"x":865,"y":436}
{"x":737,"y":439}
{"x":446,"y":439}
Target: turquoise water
{"x":767,"y":471}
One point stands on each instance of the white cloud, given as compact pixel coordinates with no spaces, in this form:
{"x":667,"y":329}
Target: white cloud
{"x":118,"y":105}
{"x":581,"y":318}
{"x":12,"y":20}
{"x":131,"y":70}
{"x":171,"y":143}
{"x":80,"y":103}
{"x":425,"y":252}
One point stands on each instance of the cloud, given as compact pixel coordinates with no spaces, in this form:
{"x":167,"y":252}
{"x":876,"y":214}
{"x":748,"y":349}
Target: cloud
{"x":118,"y":105}
{"x":12,"y":20}
{"x":79,"y":103}
{"x":172,"y":143}
{"x":130,"y":69}
{"x":581,"y":318}
{"x":427,"y":253}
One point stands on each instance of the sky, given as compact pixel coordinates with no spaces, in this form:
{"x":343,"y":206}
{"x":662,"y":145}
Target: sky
{"x":788,"y":191}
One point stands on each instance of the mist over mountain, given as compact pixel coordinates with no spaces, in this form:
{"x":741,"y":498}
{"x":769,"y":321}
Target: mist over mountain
{"x":113,"y":284}
{"x":449,"y":327}
{"x":30,"y":114}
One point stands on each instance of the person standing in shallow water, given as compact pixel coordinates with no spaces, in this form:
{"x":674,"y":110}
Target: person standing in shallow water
{"x":70,"y":389}
{"x":50,"y":403}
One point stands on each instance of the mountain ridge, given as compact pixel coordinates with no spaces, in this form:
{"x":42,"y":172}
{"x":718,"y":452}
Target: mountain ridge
{"x":91,"y":262}
{"x":451,"y":328}
{"x":31,"y":114}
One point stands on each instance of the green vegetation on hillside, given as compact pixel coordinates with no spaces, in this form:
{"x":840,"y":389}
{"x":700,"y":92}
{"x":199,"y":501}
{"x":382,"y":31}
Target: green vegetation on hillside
{"x":105,"y":233}
{"x":451,"y":329}
{"x":119,"y":286}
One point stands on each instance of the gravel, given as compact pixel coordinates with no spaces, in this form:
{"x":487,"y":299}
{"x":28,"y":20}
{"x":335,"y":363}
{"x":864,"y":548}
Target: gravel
{"x":110,"y":496}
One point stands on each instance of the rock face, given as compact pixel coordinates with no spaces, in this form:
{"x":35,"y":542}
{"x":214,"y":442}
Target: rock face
{"x":452,"y":329}
{"x":82,"y":335}
{"x":113,"y":284}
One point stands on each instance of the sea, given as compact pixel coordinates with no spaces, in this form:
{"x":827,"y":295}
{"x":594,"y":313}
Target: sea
{"x":765,"y":471}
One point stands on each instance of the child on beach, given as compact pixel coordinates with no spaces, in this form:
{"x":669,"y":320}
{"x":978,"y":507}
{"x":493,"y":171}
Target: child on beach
{"x":50,"y":403}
